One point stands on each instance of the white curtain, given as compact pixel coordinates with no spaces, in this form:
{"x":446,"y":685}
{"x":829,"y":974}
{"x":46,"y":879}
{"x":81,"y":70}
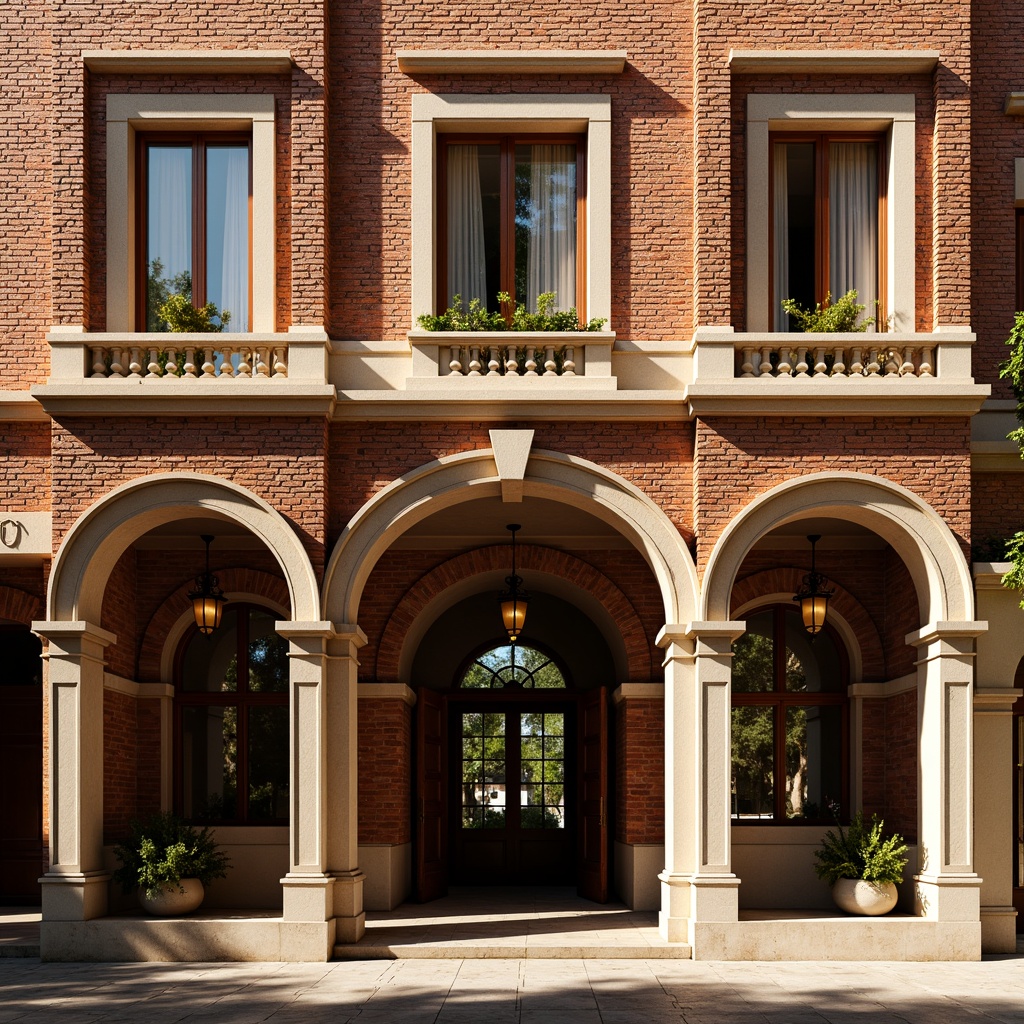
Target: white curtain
{"x":227,"y":232}
{"x":551,"y":253}
{"x":780,"y":237}
{"x":169,"y":209}
{"x":467,"y":266}
{"x":853,"y":222}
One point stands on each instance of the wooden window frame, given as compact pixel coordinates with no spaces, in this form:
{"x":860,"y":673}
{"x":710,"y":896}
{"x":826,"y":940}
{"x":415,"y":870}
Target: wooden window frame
{"x":243,"y":699}
{"x":821,"y":142}
{"x":508,"y":142}
{"x":199,"y":142}
{"x":779,"y":699}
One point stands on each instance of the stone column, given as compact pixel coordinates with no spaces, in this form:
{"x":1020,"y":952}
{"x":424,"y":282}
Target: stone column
{"x":946,"y":887}
{"x":697,"y":884}
{"x":342,"y":822}
{"x":75,"y":887}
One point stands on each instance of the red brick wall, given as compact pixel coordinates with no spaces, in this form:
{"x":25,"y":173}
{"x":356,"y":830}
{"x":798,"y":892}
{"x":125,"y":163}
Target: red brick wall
{"x":997,"y":506}
{"x":119,"y":616}
{"x":24,"y":463}
{"x":385,"y":771}
{"x":120,"y":745}
{"x":889,"y":766}
{"x":640,"y":770}
{"x":738,"y":458}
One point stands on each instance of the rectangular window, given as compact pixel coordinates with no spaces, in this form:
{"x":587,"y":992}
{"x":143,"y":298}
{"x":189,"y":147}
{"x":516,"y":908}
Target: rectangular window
{"x":827,"y":221}
{"x":195,"y":213}
{"x":511,"y":220}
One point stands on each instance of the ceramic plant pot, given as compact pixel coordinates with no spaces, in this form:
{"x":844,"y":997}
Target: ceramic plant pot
{"x":171,"y":901}
{"x":856,"y":896}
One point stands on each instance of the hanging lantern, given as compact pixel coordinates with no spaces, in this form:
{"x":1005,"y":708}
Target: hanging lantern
{"x":813,"y":595}
{"x":207,"y":599}
{"x":513,"y":600}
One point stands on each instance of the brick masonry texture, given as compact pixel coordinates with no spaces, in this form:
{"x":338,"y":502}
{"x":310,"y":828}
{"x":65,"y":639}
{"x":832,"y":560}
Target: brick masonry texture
{"x":385,"y":771}
{"x":997,"y":507}
{"x":640,"y":771}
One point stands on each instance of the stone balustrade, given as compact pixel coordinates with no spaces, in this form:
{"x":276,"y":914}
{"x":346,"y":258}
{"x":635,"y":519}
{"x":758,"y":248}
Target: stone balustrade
{"x":222,"y":360}
{"x":865,"y":358}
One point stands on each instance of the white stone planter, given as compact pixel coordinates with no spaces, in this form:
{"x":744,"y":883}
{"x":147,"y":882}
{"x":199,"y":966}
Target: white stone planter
{"x":171,"y":901}
{"x":856,"y":896}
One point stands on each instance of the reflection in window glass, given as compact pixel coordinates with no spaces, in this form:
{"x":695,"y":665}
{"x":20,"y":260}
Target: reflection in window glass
{"x":268,"y":762}
{"x":753,"y":762}
{"x":813,"y":761}
{"x":753,"y":661}
{"x":209,"y":757}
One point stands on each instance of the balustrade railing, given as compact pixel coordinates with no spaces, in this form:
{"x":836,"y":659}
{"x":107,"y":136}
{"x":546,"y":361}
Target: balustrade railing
{"x":221,"y":361}
{"x":871,"y":359}
{"x":510,"y":360}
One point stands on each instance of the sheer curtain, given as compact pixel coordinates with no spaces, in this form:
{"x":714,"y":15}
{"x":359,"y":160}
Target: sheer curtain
{"x":853,"y":222}
{"x":780,"y":237}
{"x":168,"y":215}
{"x":227,"y":232}
{"x":467,"y":261}
{"x":551,"y":252}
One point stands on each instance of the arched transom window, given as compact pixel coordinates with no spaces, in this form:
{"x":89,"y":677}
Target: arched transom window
{"x":512,"y":666}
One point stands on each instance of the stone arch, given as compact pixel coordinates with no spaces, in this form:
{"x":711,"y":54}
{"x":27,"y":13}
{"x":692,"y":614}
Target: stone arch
{"x":444,"y":585}
{"x":163,"y":631}
{"x":18,"y":605}
{"x":466,"y":476}
{"x":91,"y":548}
{"x":917,"y":533}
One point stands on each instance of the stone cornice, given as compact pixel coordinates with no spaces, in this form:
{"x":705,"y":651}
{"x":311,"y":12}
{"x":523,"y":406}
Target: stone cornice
{"x":192,"y":62}
{"x":511,"y":62}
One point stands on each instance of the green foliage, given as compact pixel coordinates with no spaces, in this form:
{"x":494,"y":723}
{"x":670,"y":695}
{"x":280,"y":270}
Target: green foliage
{"x":830,"y":317}
{"x":159,"y":289}
{"x":475,"y":317}
{"x":162,"y":850}
{"x":861,"y":851}
{"x":1013,"y":371}
{"x":182,"y":317}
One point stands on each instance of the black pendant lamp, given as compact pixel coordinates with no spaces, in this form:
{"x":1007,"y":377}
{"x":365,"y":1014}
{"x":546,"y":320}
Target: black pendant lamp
{"x":207,"y":599}
{"x":513,"y":600}
{"x":813,"y":595}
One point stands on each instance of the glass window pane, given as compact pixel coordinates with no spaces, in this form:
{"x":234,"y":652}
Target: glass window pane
{"x":853,"y":221}
{"x":753,"y":663}
{"x":474,"y":223}
{"x":168,"y":227}
{"x":812,"y":665}
{"x":813,"y":761}
{"x":227,"y":232}
{"x":268,"y":655}
{"x":545,"y":216}
{"x":268,"y":762}
{"x":209,"y":761}
{"x":210,"y":664}
{"x":794,"y":228}
{"x":753,"y":762}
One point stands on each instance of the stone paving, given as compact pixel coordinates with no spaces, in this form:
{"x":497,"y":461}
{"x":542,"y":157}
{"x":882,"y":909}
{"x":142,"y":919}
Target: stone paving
{"x":514,"y":992}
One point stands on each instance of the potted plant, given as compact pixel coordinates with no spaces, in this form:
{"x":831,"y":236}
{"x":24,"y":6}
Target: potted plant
{"x":862,"y":865}
{"x":475,"y":317}
{"x":828,"y":317}
{"x":170,"y":863}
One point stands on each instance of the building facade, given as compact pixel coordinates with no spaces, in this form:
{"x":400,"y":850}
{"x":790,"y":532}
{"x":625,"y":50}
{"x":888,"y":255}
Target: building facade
{"x":358,"y":729}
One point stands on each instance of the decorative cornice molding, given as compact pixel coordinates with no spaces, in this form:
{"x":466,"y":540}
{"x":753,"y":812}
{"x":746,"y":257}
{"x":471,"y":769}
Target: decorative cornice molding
{"x":192,"y":62}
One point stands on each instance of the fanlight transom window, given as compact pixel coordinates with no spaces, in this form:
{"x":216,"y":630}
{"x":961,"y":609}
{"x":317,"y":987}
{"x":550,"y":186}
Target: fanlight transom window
{"x":512,"y":666}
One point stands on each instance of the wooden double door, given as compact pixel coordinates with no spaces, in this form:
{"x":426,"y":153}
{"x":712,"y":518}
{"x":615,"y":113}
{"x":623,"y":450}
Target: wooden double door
{"x":512,"y":789}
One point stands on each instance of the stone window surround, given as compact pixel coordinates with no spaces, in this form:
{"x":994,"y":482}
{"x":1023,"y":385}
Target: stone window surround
{"x":892,"y":113}
{"x":584,"y":113}
{"x":130,"y":112}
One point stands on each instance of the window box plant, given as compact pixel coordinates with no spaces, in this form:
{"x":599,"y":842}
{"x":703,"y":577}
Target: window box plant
{"x":862,"y":865}
{"x":475,"y":317}
{"x":170,"y":863}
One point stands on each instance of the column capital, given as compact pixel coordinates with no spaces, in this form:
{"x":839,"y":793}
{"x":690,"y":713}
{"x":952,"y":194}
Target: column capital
{"x":73,"y":634}
{"x":940,"y":632}
{"x":288,"y":628}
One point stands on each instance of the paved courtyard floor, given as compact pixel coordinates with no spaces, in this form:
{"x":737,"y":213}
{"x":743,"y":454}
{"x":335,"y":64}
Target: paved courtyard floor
{"x":514,"y":992}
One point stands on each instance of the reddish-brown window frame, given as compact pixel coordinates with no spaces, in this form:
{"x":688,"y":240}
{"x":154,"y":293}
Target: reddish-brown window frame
{"x":199,"y":142}
{"x":243,"y":699}
{"x":821,"y":141}
{"x":508,"y":143}
{"x":779,"y":698}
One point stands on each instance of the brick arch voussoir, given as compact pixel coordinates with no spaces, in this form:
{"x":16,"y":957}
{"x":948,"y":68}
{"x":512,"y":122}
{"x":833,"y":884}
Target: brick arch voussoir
{"x":787,"y":580}
{"x":531,"y":558}
{"x":252,"y":582}
{"x":20,"y":606}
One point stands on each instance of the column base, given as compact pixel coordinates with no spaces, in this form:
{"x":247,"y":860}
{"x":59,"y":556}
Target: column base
{"x":998,"y":930}
{"x":308,"y":897}
{"x":952,"y":897}
{"x":690,"y":899}
{"x":78,"y":896}
{"x":349,"y":916}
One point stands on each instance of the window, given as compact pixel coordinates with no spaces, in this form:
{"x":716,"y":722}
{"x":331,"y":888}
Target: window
{"x":827,"y":221}
{"x":210,"y":116}
{"x":789,"y":721}
{"x":194,"y":225}
{"x":513,"y":666}
{"x":477,"y":121}
{"x":777,"y":120}
{"x":512,"y":213}
{"x":232,"y":721}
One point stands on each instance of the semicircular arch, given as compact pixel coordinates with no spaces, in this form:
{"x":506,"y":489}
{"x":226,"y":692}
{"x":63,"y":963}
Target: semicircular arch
{"x":916,"y":532}
{"x":467,"y":476}
{"x":91,"y":548}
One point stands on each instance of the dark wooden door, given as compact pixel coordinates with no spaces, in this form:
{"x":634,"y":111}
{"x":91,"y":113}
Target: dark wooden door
{"x":592,"y":872}
{"x":512,"y":768}
{"x":431,"y":797}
